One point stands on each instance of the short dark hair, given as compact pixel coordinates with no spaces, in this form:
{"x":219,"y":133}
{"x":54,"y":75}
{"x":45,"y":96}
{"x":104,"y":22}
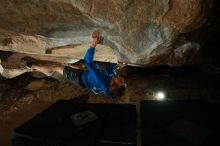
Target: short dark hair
{"x":118,"y":91}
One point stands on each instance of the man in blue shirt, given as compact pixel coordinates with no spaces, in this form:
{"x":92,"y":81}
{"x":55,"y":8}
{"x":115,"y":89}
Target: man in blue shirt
{"x":93,"y":78}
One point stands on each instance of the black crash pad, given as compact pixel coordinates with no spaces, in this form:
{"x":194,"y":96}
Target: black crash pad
{"x":182,"y":123}
{"x":72,"y":123}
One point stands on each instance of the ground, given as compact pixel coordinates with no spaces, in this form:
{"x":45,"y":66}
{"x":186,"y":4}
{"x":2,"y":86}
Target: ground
{"x":23,"y":97}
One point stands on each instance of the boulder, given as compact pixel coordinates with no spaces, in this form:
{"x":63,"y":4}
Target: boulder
{"x":136,"y":30}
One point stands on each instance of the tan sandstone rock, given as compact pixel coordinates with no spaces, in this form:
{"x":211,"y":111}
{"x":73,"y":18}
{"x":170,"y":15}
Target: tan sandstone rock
{"x":136,"y":30}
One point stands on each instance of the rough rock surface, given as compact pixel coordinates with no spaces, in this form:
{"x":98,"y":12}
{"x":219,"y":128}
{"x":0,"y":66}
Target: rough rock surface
{"x":139,"y":31}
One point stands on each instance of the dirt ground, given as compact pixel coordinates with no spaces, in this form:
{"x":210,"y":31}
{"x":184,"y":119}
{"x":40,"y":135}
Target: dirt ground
{"x":21,"y":98}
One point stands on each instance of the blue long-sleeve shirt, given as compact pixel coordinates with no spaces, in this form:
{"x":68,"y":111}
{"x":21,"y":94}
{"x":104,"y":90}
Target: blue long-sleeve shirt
{"x":95,"y":79}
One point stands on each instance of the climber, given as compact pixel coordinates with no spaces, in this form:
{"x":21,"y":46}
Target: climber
{"x":92,"y":77}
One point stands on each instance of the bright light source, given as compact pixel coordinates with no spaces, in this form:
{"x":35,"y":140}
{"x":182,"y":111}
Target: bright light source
{"x":160,"y":95}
